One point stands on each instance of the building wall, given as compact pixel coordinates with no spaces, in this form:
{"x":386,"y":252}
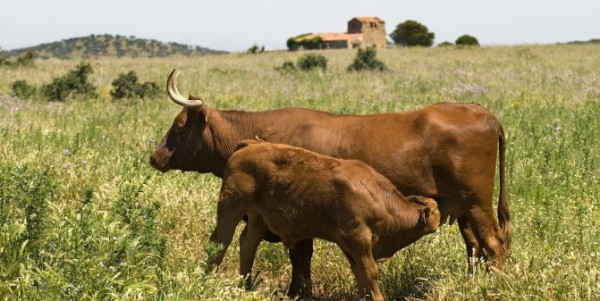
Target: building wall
{"x":373,"y":31}
{"x":337,"y":44}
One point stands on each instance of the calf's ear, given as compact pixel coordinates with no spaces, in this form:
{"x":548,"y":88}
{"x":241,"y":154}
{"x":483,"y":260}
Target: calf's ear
{"x":425,"y":212}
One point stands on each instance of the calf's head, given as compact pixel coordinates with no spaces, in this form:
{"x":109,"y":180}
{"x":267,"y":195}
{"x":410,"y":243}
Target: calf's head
{"x":430,"y":215}
{"x":187,"y":145}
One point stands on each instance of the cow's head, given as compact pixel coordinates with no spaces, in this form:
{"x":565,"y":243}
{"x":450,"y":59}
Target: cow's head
{"x":187,"y":145}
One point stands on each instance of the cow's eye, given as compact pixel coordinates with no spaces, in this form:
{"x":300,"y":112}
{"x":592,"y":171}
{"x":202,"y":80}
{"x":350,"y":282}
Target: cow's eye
{"x":180,"y":125}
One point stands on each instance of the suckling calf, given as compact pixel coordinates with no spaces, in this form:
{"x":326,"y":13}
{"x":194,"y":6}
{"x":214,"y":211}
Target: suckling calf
{"x":298,"y":194}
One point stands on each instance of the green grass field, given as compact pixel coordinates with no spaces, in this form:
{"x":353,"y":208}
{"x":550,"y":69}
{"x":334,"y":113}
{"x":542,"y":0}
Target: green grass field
{"x":83,"y":216}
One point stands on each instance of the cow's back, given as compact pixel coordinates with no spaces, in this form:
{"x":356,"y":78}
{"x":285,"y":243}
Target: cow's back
{"x":414,"y":149}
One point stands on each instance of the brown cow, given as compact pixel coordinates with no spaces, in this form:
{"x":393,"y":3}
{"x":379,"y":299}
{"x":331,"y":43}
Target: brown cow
{"x":445,"y":151}
{"x":298,"y":194}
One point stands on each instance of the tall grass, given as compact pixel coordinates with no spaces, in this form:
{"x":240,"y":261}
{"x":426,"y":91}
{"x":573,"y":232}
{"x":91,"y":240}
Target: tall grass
{"x":84,"y":216}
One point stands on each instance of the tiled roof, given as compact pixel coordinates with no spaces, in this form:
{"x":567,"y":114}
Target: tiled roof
{"x":332,"y":36}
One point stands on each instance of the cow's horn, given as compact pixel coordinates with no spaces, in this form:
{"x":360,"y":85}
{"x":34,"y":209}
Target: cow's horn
{"x":174,"y":93}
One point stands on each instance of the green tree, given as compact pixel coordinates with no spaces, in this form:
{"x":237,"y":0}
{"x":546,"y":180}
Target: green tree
{"x":467,"y":40}
{"x":412,"y":33}
{"x":301,"y":42}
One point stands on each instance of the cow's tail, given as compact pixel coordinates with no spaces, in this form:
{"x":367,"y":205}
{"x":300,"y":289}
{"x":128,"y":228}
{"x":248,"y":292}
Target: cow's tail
{"x":503,"y":211}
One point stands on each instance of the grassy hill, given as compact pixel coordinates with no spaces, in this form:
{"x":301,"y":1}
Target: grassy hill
{"x":110,"y":46}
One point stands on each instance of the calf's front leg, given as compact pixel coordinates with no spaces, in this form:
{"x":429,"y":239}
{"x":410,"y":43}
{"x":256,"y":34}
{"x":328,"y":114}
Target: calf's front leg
{"x":229,"y":214}
{"x":365,"y":268}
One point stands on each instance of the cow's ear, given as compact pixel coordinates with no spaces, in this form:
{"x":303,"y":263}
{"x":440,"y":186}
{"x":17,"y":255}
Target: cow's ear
{"x":202,"y":112}
{"x":247,"y":142}
{"x":192,"y":97}
{"x":241,"y":145}
{"x":425,"y":213}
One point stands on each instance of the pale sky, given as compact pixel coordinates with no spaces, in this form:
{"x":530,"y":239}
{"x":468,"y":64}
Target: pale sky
{"x":236,"y":25}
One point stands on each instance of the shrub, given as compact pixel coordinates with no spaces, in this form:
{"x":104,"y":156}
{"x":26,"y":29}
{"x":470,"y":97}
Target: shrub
{"x":311,"y":61}
{"x":26,"y":59}
{"x":287,"y":66}
{"x":254,"y":49}
{"x":23,"y":90}
{"x":25,"y":194}
{"x":467,"y":40}
{"x":366,"y":60}
{"x":74,"y":83}
{"x":412,"y":33}
{"x":126,"y":85}
{"x":4,"y":61}
{"x":445,"y":44}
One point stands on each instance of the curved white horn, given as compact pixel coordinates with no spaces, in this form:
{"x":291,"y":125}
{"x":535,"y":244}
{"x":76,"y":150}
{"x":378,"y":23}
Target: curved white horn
{"x":174,"y":93}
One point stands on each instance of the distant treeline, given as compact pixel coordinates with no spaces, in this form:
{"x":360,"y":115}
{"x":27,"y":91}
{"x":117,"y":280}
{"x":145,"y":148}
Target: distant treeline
{"x":592,"y":41}
{"x":110,"y":46}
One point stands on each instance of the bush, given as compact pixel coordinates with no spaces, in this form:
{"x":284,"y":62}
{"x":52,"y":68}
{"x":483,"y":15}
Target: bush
{"x":25,"y":194}
{"x":445,"y":44}
{"x":23,"y":90}
{"x":26,"y":59}
{"x":74,"y":83}
{"x":365,"y":60}
{"x":287,"y":66}
{"x":467,"y":40}
{"x":311,"y":61}
{"x":412,"y":33}
{"x":126,"y":86}
{"x":4,"y":61}
{"x":254,"y":49}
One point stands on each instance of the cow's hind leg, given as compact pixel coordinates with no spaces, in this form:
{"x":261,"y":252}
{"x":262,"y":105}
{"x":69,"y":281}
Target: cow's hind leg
{"x":488,"y":233}
{"x":300,"y":256}
{"x":250,"y":238}
{"x":474,"y":249}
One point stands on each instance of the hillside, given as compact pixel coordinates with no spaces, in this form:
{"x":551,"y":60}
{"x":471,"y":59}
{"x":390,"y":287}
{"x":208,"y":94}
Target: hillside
{"x":110,"y":46}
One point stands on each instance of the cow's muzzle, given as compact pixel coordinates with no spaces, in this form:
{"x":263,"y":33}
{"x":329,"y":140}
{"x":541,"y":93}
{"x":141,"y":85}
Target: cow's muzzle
{"x":154,"y":163}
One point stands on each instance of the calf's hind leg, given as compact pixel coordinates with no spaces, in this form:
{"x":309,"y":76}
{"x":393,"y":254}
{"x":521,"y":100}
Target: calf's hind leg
{"x":300,"y":256}
{"x":250,"y":238}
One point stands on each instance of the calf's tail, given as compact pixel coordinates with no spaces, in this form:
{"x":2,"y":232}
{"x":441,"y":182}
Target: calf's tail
{"x":503,"y":211}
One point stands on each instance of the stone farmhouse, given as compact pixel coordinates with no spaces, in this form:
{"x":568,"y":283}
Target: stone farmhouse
{"x":362,"y":32}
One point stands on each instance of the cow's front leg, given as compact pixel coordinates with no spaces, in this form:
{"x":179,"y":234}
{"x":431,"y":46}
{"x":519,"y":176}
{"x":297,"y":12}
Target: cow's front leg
{"x":301,"y":255}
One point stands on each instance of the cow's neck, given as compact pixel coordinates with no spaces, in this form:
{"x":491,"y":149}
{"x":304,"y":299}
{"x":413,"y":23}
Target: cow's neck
{"x":227,"y":128}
